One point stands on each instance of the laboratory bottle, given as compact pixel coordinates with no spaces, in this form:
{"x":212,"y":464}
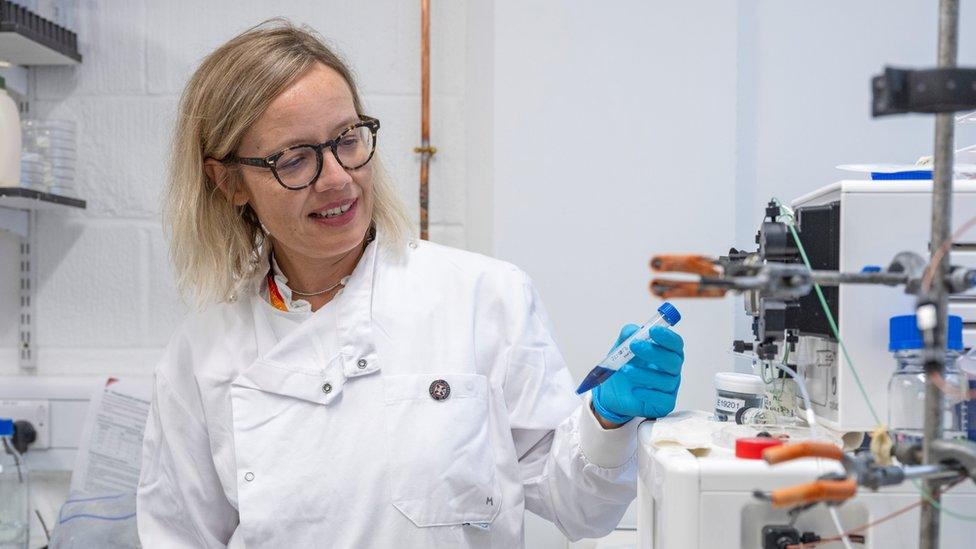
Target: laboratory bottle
{"x":10,"y":143}
{"x":906,"y":388}
{"x":735,"y":391}
{"x":14,"y":493}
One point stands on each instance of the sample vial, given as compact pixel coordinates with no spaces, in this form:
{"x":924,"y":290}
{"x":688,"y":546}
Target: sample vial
{"x":621,"y":354}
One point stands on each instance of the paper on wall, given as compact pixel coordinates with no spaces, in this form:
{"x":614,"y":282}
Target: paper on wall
{"x":110,"y":451}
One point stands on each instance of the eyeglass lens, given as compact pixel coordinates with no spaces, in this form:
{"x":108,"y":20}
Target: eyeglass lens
{"x":299,"y":167}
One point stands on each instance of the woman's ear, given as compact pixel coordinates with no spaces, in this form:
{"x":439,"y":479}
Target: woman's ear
{"x":219,"y":173}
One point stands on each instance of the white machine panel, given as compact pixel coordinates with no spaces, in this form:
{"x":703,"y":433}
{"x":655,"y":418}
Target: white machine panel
{"x":878,"y":220}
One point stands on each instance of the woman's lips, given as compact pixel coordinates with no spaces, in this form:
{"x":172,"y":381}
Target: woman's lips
{"x":327,"y":216}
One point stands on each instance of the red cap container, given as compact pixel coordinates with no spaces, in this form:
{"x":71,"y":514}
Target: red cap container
{"x":752,"y":448}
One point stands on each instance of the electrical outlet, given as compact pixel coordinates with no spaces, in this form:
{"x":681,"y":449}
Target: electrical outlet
{"x":38,"y":412}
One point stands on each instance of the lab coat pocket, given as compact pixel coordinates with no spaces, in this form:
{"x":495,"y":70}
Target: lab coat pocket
{"x":442,"y":469}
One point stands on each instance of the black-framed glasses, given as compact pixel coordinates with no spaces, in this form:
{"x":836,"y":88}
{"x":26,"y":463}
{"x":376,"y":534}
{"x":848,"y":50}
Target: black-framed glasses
{"x":299,"y":166}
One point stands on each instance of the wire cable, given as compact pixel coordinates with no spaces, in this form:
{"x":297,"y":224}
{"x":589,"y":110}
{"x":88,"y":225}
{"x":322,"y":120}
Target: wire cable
{"x":815,"y":431}
{"x":943,"y":249}
{"x":869,"y":525}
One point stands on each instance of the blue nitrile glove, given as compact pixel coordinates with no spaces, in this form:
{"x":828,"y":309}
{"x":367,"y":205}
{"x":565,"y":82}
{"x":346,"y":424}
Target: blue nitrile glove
{"x":647,"y":386}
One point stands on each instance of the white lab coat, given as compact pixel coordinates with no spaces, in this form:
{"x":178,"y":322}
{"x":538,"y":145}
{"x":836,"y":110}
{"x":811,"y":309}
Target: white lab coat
{"x":327,"y":435}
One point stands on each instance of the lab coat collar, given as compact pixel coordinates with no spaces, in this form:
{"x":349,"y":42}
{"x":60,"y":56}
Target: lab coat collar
{"x":302,"y":363}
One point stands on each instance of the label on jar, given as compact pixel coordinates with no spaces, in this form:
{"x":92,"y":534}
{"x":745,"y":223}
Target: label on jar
{"x":728,"y":405}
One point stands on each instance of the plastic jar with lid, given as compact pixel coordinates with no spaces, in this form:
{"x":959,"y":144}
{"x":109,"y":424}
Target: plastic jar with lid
{"x":10,"y":144}
{"x":906,"y":388}
{"x":735,"y":390}
{"x":14,"y":493}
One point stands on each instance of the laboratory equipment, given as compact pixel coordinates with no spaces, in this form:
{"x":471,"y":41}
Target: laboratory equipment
{"x":14,"y":491}
{"x":906,"y":387}
{"x":813,"y":309}
{"x":705,"y":499}
{"x":621,"y":354}
{"x":10,"y":144}
{"x":735,"y":391}
{"x":848,"y":230}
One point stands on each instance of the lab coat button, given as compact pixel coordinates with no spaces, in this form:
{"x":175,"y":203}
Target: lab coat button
{"x":439,"y":390}
{"x":249,"y":476}
{"x":413,"y":245}
{"x":327,"y":388}
{"x":362,"y":363}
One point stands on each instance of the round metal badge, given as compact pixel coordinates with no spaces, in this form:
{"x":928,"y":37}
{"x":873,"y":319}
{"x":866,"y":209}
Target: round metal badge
{"x":440,"y":390}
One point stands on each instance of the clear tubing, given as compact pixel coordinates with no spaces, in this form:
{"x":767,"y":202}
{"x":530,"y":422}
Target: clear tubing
{"x":621,"y":354}
{"x":815,"y":431}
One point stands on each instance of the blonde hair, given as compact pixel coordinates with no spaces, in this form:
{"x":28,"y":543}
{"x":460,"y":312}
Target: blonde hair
{"x":214,"y":244}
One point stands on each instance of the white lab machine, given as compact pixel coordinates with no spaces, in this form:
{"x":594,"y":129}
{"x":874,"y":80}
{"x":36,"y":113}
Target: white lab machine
{"x":704,"y":498}
{"x":686,"y":501}
{"x":878,"y":219}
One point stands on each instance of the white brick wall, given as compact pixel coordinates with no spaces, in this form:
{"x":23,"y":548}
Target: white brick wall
{"x":105,"y":299}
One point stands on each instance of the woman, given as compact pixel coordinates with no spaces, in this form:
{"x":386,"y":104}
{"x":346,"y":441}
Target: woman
{"x":347,"y":386}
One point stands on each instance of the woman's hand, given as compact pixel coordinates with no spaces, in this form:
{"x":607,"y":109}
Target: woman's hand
{"x":647,"y":386}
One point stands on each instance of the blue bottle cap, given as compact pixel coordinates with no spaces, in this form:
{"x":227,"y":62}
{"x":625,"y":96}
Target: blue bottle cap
{"x":903,"y":333}
{"x":6,"y":427}
{"x":670,"y":313}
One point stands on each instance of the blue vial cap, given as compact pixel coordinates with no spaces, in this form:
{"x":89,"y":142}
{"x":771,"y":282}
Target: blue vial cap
{"x":903,"y":333}
{"x":6,"y":427}
{"x":871,"y":269}
{"x":670,"y":313}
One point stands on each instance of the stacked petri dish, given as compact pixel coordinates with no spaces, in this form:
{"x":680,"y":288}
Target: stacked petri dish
{"x":49,"y":155}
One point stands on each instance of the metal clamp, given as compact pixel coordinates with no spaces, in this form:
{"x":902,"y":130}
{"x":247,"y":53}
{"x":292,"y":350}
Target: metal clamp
{"x":941,"y":90}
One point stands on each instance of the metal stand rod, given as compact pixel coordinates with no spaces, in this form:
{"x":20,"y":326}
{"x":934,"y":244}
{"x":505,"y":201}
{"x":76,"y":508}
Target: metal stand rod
{"x":833,"y":278}
{"x":941,"y":222}
{"x":930,"y":472}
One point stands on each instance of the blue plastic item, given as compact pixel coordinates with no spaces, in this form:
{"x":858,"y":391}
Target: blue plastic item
{"x":6,"y":427}
{"x":647,"y":385}
{"x":907,"y":175}
{"x":871,"y":269}
{"x":903,"y":333}
{"x":621,"y":353}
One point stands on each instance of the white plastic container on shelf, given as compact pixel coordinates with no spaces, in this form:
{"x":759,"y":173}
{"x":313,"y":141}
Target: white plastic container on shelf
{"x":10,"y":143}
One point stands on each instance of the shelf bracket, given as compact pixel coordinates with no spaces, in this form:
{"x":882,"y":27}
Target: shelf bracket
{"x":15,"y":221}
{"x":28,"y":362}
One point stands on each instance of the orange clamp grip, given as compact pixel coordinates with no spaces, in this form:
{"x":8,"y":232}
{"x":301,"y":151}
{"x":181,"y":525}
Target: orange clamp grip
{"x":667,"y":289}
{"x":796,"y":450}
{"x":812,"y":492}
{"x":684,"y":263}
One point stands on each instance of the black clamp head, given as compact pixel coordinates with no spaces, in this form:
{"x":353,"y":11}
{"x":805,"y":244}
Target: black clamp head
{"x":942,"y":90}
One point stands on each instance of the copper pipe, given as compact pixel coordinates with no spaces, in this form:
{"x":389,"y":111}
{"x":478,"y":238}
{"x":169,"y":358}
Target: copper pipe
{"x":425,"y":150}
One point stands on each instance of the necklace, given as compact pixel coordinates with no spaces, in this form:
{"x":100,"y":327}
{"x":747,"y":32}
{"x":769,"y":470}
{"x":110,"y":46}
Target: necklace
{"x":342,"y":282}
{"x":274,"y":295}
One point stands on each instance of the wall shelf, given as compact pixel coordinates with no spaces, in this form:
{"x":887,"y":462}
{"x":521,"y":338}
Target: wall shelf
{"x":17,"y":204}
{"x":18,"y":215}
{"x":28,"y":199}
{"x":28,"y":39}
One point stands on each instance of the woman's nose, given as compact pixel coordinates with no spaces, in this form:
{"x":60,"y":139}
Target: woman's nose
{"x":333,"y":175}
